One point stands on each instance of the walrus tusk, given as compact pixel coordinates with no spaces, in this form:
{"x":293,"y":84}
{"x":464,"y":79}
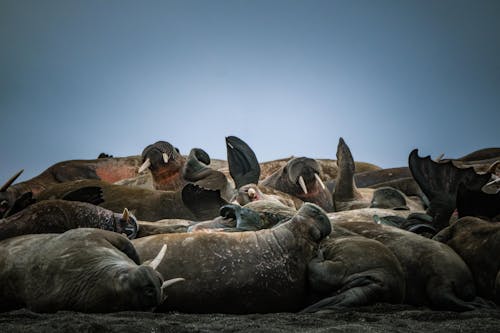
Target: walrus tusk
{"x":320,"y":181}
{"x":125,"y":214}
{"x":492,"y":168}
{"x":302,"y":184}
{"x":439,"y":158}
{"x":165,"y":158}
{"x":10,"y":181}
{"x":170,"y":282}
{"x":252,"y":193}
{"x":145,"y":165}
{"x":157,"y":260}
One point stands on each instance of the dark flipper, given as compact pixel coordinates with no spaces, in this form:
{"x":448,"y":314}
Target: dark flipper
{"x":203,"y":203}
{"x":243,"y":164}
{"x":439,"y":182}
{"x":90,"y":194}
{"x":477,"y":203}
{"x":345,"y":188}
{"x":25,"y":200}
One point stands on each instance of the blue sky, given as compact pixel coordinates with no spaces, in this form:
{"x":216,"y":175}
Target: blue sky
{"x":289,"y":77}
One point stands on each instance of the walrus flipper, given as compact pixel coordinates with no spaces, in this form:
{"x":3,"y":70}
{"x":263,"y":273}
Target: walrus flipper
{"x":345,"y":187}
{"x":477,"y":203}
{"x":440,"y":181}
{"x":25,"y":200}
{"x":89,"y":194}
{"x":203,"y":203}
{"x":244,"y":167}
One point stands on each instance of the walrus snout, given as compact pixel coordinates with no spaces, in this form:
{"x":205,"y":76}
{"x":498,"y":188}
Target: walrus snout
{"x":321,"y":220}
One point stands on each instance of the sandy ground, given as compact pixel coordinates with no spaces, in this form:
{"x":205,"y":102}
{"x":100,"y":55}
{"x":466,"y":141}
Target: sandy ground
{"x":377,"y":318}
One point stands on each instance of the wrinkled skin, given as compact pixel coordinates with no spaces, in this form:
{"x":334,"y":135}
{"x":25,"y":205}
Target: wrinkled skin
{"x":287,"y":180}
{"x":352,"y":270}
{"x":192,"y":203}
{"x":435,"y":275}
{"x":478,"y":244}
{"x":240,"y":272}
{"x":86,"y":270}
{"x":251,"y":192}
{"x":58,"y":216}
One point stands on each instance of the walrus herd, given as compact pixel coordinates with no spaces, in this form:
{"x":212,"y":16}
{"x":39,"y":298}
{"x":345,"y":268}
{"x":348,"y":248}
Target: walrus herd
{"x":163,"y":231}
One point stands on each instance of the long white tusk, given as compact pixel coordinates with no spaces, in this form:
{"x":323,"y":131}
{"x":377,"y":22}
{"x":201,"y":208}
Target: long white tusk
{"x":125,"y":215}
{"x":439,"y":158}
{"x":10,"y":181}
{"x":494,"y":181}
{"x":157,"y":260}
{"x":145,"y":165}
{"x":320,"y":181}
{"x":302,"y":184}
{"x":170,"y":282}
{"x":165,"y":158}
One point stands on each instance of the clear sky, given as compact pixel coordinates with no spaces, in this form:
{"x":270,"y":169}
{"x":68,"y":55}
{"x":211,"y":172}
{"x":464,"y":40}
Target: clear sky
{"x":289,"y":77}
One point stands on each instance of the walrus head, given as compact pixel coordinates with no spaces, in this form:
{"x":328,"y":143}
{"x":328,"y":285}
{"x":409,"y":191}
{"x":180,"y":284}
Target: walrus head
{"x":158,"y":155}
{"x":313,"y":215}
{"x":301,"y":178}
{"x":143,"y":286}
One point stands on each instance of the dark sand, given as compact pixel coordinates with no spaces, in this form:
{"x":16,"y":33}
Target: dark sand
{"x":378,"y":318}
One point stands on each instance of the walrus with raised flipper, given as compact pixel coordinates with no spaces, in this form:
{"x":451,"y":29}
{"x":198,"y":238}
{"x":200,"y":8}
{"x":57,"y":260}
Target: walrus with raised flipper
{"x":240,"y":272}
{"x":347,"y":196}
{"x":85,"y":270}
{"x":435,"y":275}
{"x":191,"y":203}
{"x":440,"y":183}
{"x":477,"y":242}
{"x":58,"y":216}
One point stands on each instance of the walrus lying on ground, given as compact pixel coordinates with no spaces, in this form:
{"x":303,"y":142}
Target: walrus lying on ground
{"x":435,"y":275}
{"x":347,"y":196}
{"x":58,"y":216}
{"x":478,"y":243}
{"x":86,"y":270}
{"x":240,"y":272}
{"x":191,"y":203}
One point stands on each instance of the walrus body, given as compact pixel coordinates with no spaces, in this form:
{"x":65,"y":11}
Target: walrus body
{"x":58,"y":216}
{"x":478,"y":244}
{"x":146,"y":205}
{"x":86,"y":270}
{"x":435,"y":275}
{"x":354,"y":271}
{"x":240,"y":272}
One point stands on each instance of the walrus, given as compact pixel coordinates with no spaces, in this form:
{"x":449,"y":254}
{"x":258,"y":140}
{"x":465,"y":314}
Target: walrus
{"x":301,"y":177}
{"x":191,"y":203}
{"x":478,"y":243}
{"x":435,"y":275}
{"x":350,"y":270}
{"x":347,"y":196}
{"x":353,"y":270}
{"x":58,"y":216}
{"x":440,"y":182}
{"x":240,"y":272}
{"x":85,"y":270}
